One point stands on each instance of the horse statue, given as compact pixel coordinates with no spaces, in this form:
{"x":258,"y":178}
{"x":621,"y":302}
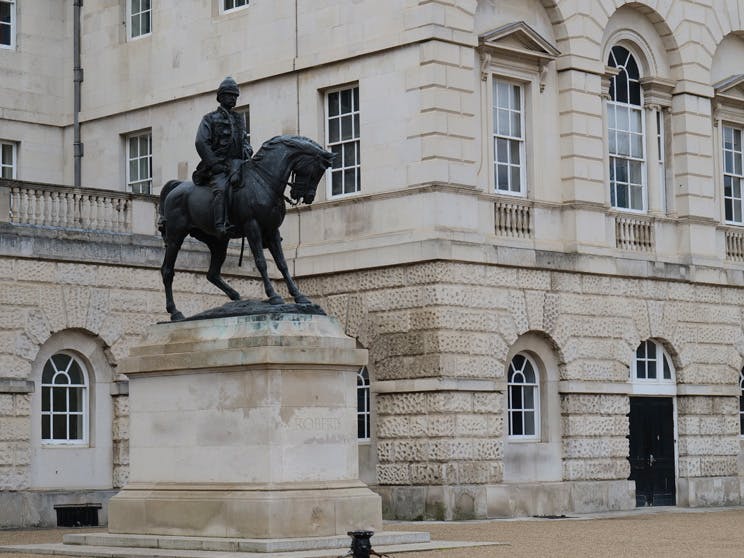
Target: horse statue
{"x":256,"y":209}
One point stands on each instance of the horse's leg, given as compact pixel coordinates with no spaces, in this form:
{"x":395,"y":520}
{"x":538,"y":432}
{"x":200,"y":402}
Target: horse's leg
{"x":275,"y":247}
{"x":168,"y":270}
{"x":218,"y":252}
{"x":253,"y":233}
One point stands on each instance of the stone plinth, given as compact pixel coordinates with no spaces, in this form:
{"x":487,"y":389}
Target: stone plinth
{"x":244,"y":426}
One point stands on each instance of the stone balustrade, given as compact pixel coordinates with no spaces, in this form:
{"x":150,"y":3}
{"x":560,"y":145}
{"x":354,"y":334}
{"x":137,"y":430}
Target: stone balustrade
{"x":513,"y":218}
{"x":46,"y":205}
{"x":734,"y":245}
{"x":634,"y":233}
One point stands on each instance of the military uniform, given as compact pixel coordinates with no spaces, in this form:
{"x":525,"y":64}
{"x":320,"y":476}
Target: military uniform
{"x":222,"y":144}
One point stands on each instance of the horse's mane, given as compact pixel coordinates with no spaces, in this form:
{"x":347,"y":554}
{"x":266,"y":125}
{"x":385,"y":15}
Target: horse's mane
{"x":300,"y":142}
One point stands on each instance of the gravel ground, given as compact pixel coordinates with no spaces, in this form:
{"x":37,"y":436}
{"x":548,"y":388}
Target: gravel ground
{"x":657,"y":533}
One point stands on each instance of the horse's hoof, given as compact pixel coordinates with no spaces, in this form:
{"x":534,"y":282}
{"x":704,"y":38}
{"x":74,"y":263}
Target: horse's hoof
{"x":276,"y":299}
{"x":234,"y":296}
{"x":302,"y":299}
{"x":177,"y":317}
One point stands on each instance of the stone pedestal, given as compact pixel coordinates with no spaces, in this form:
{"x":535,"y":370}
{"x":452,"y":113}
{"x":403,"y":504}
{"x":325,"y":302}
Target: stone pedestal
{"x":244,"y":426}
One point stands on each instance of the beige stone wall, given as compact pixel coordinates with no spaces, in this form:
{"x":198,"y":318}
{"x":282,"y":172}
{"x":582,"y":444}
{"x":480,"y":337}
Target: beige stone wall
{"x":15,"y":448}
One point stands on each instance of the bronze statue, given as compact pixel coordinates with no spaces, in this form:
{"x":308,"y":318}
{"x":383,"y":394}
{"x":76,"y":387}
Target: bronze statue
{"x":257,"y":209}
{"x":222,"y":144}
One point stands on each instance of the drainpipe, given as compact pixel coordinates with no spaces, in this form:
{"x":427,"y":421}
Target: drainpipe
{"x":78,"y":80}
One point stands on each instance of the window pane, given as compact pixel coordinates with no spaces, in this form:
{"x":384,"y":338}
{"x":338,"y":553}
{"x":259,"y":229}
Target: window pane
{"x":516,"y":125}
{"x":516,"y":180}
{"x":46,"y":427}
{"x":635,"y":93}
{"x":333,"y":130}
{"x":729,"y":210}
{"x":136,"y":6}
{"x":529,"y":373}
{"x":623,"y":144}
{"x":621,"y":87}
{"x":622,"y":195}
{"x":361,"y":426}
{"x":336,"y":150}
{"x":45,"y":399}
{"x":144,"y":168}
{"x":636,"y":146}
{"x":76,"y":427}
{"x":336,"y":185}
{"x":145,"y":5}
{"x":75,"y":373}
{"x":76,"y":400}
{"x":529,"y":423}
{"x":349,"y":154}
{"x":635,"y":171}
{"x":346,"y":128}
{"x":145,"y":24}
{"x":345,"y":101}
{"x":48,"y":374}
{"x":349,"y":181}
{"x":503,"y":117}
{"x":517,"y":429}
{"x":356,"y":98}
{"x":333,"y":104}
{"x":501,"y":151}
{"x":502,"y":177}
{"x":529,"y":398}
{"x":636,"y":197}
{"x":516,"y":102}
{"x":728,"y":161}
{"x":652,"y":369}
{"x":502,"y":94}
{"x":667,"y":370}
{"x":133,"y":170}
{"x":516,"y":399}
{"x":59,"y":427}
{"x":356,"y":125}
{"x":514,"y":151}
{"x":59,"y":400}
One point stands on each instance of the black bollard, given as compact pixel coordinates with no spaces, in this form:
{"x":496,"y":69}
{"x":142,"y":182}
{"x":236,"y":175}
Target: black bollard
{"x":361,"y":546}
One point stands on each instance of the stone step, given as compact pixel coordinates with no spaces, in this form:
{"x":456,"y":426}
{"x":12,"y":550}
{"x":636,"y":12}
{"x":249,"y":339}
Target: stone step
{"x":383,"y":538}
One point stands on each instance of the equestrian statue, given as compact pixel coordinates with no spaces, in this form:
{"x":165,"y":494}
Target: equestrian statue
{"x":235,"y":194}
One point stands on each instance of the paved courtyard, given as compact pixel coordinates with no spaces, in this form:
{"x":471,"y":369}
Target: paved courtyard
{"x":657,"y":533}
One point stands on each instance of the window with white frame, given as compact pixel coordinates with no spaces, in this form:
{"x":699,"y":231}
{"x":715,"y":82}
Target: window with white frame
{"x":343,"y":140}
{"x":363,"y":409}
{"x":741,"y":402}
{"x":245,"y":113}
{"x":625,"y":128}
{"x":733,"y":201}
{"x":64,"y":401}
{"x":139,"y":18}
{"x":652,"y":363}
{"x":139,"y":163}
{"x":508,"y":137}
{"x":7,"y":23}
{"x":523,"y":406}
{"x":7,"y":159}
{"x":228,"y":5}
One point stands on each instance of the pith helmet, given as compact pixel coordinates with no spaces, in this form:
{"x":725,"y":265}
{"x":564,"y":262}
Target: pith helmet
{"x":228,"y":85}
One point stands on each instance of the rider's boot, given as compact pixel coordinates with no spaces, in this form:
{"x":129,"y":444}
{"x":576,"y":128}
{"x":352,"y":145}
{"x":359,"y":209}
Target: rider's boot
{"x":218,"y":206}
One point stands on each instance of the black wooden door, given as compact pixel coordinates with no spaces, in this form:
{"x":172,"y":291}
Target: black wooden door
{"x":652,"y":450}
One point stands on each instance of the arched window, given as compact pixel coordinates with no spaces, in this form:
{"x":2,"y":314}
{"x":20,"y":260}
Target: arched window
{"x":741,"y":402}
{"x":626,"y":133}
{"x":64,"y":400}
{"x":363,"y":410}
{"x":652,"y":363}
{"x":523,"y":388}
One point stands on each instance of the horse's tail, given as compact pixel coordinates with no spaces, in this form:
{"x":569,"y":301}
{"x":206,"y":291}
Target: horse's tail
{"x":167,"y":188}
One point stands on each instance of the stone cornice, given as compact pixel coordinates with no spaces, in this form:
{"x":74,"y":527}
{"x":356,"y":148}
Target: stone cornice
{"x":16,"y":385}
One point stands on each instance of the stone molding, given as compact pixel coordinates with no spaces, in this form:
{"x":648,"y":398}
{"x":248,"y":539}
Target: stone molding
{"x":15,"y":385}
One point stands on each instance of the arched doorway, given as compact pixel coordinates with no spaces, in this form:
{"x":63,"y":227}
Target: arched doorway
{"x":652,"y":440}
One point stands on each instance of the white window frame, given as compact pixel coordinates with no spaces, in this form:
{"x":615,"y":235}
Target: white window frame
{"x":511,"y":411}
{"x":737,"y":156}
{"x":340,"y":145}
{"x":131,"y":182}
{"x":131,"y":15}
{"x":659,"y":385}
{"x":51,"y":387}
{"x":13,"y":165}
{"x":616,"y":156}
{"x":245,"y":112}
{"x":12,"y":25}
{"x":364,"y":411}
{"x":225,"y":10}
{"x":497,"y":113}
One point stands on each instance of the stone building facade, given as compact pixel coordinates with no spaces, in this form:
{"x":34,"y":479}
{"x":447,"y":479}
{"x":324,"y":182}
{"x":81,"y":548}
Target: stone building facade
{"x":534,"y":225}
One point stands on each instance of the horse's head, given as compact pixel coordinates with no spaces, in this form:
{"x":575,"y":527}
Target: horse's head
{"x":305,"y":160}
{"x":307,"y":171}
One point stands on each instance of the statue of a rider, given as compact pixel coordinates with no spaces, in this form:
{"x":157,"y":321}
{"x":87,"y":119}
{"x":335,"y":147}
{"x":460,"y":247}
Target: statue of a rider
{"x":222,"y":144}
